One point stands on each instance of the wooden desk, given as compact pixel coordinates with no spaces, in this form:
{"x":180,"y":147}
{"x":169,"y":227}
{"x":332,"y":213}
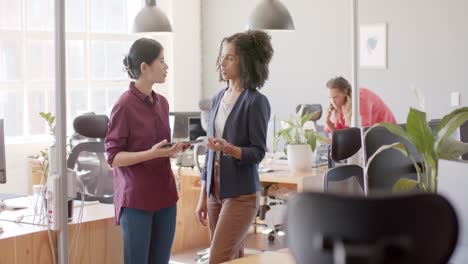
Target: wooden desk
{"x":100,"y":240}
{"x":304,"y":181}
{"x":190,"y":234}
{"x":268,"y":257}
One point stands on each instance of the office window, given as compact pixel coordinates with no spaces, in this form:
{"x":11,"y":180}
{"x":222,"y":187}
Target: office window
{"x":96,"y":41}
{"x":106,"y":59}
{"x":10,"y":66}
{"x":10,"y":15}
{"x":106,"y":15}
{"x":11,"y":108}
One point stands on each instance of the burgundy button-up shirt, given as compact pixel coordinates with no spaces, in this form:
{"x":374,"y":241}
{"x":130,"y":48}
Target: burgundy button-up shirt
{"x":136,"y":125}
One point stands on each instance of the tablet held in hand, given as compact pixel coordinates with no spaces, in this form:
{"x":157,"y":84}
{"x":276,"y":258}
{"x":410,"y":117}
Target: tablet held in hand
{"x":188,"y":142}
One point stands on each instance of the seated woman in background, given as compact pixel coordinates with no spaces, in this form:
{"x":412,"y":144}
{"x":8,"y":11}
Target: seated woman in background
{"x":372,"y":109}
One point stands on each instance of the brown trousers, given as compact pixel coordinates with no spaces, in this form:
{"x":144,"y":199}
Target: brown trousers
{"x":229,"y":221}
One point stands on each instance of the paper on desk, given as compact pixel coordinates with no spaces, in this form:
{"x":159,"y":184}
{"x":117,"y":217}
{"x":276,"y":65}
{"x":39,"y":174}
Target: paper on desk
{"x":18,"y":203}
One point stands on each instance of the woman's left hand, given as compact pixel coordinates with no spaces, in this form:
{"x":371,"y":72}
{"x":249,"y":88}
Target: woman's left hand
{"x":216,"y":144}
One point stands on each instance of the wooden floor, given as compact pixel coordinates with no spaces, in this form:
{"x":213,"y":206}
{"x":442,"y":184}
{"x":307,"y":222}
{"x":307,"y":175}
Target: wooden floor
{"x":256,"y":242}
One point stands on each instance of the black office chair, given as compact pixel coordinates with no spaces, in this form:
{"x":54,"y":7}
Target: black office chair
{"x":310,"y":108}
{"x":433,"y":124}
{"x":412,"y":228}
{"x":200,"y":149}
{"x":390,"y":165}
{"x":88,"y":159}
{"x":345,"y":143}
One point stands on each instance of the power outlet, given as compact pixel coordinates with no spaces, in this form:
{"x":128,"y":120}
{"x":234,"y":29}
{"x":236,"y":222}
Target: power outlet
{"x":455,"y":99}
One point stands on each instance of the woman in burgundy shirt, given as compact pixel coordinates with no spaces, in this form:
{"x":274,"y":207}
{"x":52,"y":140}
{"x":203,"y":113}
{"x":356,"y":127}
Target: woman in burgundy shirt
{"x":145,"y":192}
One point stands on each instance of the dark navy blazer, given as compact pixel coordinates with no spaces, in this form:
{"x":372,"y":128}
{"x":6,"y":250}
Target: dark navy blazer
{"x":246,"y":127}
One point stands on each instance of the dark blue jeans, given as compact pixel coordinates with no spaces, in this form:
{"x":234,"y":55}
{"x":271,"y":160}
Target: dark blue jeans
{"x":148,"y":236}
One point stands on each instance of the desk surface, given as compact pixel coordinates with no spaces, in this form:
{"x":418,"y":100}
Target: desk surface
{"x":12,"y":229}
{"x":280,"y":173}
{"x":99,"y":240}
{"x":92,"y":212}
{"x":268,"y":257}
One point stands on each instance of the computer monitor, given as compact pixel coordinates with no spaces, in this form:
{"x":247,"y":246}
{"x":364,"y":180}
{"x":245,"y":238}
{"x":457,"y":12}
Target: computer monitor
{"x":180,"y":130}
{"x":195,"y":128}
{"x":2,"y":154}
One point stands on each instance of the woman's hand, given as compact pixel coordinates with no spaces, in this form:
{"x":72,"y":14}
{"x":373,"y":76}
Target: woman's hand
{"x":329,"y":124}
{"x":158,"y":150}
{"x":330,"y":110}
{"x":217,"y":144}
{"x":202,"y":211}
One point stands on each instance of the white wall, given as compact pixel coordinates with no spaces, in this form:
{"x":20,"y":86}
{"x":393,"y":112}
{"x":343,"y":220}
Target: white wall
{"x":426,"y":48}
{"x":187,"y":65}
{"x":296,"y":75}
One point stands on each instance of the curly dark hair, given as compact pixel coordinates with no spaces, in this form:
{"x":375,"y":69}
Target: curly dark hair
{"x":142,"y":50}
{"x":254,"y":50}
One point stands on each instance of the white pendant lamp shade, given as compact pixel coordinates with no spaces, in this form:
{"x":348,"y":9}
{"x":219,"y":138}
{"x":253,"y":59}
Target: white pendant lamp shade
{"x":151,"y":19}
{"x":270,"y":15}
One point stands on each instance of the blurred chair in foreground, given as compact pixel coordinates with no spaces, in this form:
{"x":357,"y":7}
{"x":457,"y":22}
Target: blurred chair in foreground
{"x":326,"y":228}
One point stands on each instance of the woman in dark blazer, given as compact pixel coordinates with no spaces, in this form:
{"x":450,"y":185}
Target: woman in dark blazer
{"x":236,"y":144}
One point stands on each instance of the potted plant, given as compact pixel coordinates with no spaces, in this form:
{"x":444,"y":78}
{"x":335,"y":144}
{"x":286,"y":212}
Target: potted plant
{"x":431,"y":146}
{"x":300,"y":142}
{"x":41,"y":160}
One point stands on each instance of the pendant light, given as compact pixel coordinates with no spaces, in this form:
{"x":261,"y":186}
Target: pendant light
{"x":270,"y":15}
{"x":151,"y":19}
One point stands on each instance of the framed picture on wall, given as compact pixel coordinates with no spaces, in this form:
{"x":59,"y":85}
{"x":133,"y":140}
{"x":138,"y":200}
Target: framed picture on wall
{"x":373,"y":46}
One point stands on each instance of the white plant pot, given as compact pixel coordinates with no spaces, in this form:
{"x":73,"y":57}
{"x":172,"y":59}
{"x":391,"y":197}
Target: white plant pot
{"x":300,"y":158}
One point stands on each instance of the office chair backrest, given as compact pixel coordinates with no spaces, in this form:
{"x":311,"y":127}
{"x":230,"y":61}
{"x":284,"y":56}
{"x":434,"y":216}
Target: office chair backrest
{"x":389,"y":166}
{"x":89,"y":159}
{"x":345,"y":143}
{"x":205,"y":111}
{"x":198,"y":150}
{"x":310,"y":108}
{"x":91,"y":126}
{"x":433,"y":124}
{"x":325,"y":228}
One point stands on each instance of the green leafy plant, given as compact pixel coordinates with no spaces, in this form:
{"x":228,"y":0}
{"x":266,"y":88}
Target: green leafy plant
{"x":431,"y":146}
{"x":42,"y":158}
{"x":50,"y":120}
{"x":295,"y":134}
